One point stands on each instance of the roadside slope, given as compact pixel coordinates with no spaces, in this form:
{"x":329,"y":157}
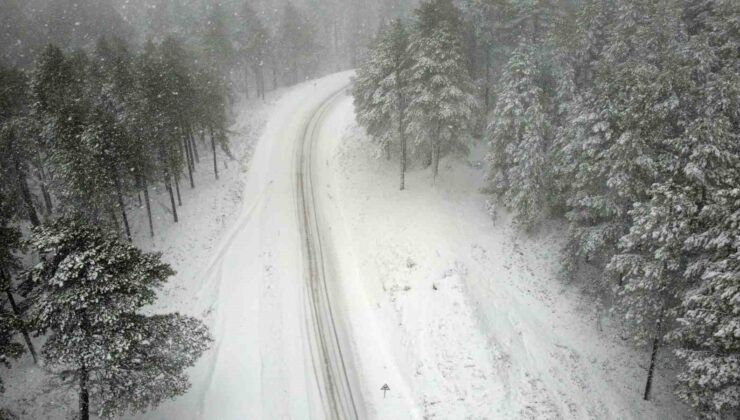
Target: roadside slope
{"x":472,"y":314}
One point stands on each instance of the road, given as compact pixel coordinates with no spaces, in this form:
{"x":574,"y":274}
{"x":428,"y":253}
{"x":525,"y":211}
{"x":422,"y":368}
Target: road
{"x":265,"y":289}
{"x":329,"y":361}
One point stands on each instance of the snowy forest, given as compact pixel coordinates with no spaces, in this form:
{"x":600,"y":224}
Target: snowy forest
{"x":101,"y":102}
{"x":619,"y":119}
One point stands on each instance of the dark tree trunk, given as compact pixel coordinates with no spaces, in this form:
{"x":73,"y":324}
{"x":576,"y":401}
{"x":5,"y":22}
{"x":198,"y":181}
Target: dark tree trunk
{"x":47,"y":198}
{"x":213,"y":148}
{"x":401,"y":116}
{"x":27,"y":198}
{"x":487,"y":88}
{"x":168,"y":185}
{"x":121,"y":204}
{"x":148,"y":207}
{"x":177,"y":188}
{"x":654,"y":355}
{"x":435,"y":153}
{"x":44,"y":185}
{"x":24,"y":329}
{"x":193,"y":147}
{"x":113,"y":218}
{"x":84,"y":393}
{"x":402,"y":135}
{"x":189,"y":156}
{"x":138,"y":196}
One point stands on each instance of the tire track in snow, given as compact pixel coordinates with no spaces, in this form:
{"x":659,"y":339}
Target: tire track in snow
{"x":329,"y":364}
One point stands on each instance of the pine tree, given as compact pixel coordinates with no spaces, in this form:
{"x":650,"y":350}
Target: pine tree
{"x":10,"y":324}
{"x":520,"y":139}
{"x":254,"y":45}
{"x":708,"y":331}
{"x":88,"y":291}
{"x":708,"y":334}
{"x":15,"y":143}
{"x":442,"y":105}
{"x":380,"y":91}
{"x":296,"y":43}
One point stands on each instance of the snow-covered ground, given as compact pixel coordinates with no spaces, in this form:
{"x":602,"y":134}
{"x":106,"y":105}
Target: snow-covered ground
{"x":460,"y":318}
{"x":473,"y":314}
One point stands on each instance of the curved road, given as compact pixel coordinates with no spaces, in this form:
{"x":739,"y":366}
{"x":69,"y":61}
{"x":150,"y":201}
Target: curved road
{"x":329,"y":362}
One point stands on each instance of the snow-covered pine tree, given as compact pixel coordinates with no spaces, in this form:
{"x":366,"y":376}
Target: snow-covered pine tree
{"x":10,"y":323}
{"x":88,"y":291}
{"x":216,"y":43}
{"x":520,"y":139}
{"x":441,"y":100}
{"x":9,"y":348}
{"x":15,"y":144}
{"x":581,"y":136}
{"x":708,"y":333}
{"x":608,"y":148}
{"x":681,"y":109}
{"x":61,"y":104}
{"x":380,"y":91}
{"x":495,"y":39}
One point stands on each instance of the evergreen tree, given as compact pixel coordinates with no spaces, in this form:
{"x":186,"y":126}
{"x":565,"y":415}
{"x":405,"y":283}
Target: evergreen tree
{"x":442,"y":104}
{"x":520,"y":139}
{"x":708,"y":331}
{"x":296,"y":44}
{"x":10,"y":324}
{"x":89,"y":290}
{"x":380,"y":91}
{"x":254,"y":45}
{"x":16,"y":149}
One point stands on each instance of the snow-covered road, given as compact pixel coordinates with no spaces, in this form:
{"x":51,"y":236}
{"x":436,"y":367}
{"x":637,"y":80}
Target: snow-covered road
{"x":331,"y":367}
{"x":277,"y":352}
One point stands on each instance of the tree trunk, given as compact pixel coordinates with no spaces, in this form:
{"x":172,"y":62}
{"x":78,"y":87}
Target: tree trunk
{"x":487,"y":88}
{"x":113,"y":218}
{"x":121,"y":204}
{"x":148,"y":207}
{"x":193,"y":148}
{"x":402,"y":136}
{"x":44,"y":185}
{"x":213,"y":147}
{"x":24,"y":329}
{"x":168,"y":185}
{"x":189,"y":158}
{"x":435,"y":153}
{"x":177,"y":188}
{"x":84,"y":393}
{"x":26,"y":195}
{"x":654,"y":355}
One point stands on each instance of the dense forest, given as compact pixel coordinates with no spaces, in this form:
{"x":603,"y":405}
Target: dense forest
{"x":617,"y":118}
